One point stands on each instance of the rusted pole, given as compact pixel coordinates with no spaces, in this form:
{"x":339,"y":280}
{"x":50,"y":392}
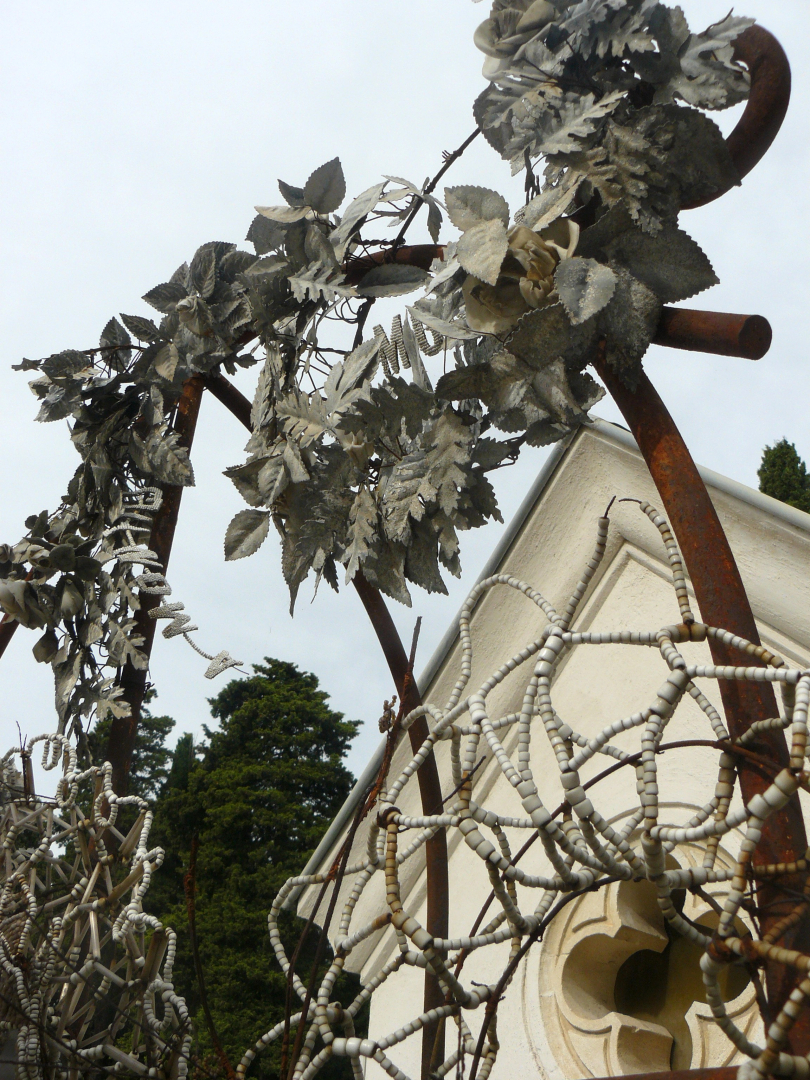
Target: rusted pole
{"x":723,"y":602}
{"x":7,"y":629}
{"x":430,"y":790}
{"x":717,"y":332}
{"x":133,"y":680}
{"x":767,"y":103}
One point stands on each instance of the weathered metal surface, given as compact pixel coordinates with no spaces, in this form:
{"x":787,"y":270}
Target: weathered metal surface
{"x":124,"y":729}
{"x":421,"y":255}
{"x":718,"y":332}
{"x":767,"y":103}
{"x":723,"y":602}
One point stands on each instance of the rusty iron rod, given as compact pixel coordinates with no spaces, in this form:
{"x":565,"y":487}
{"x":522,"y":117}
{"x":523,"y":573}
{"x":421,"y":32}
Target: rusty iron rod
{"x":717,"y":332}
{"x":8,"y":628}
{"x":766,"y":107}
{"x":430,"y":790}
{"x":123,"y":729}
{"x":723,"y":602}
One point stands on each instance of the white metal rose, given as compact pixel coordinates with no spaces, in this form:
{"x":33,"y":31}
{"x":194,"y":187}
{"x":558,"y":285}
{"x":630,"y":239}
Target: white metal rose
{"x":526,"y":278}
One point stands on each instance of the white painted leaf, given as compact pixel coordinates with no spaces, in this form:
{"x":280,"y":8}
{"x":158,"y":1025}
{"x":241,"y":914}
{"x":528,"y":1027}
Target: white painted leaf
{"x":355,"y":211}
{"x":584,"y":286}
{"x":482,"y":249}
{"x":468,"y":206}
{"x":453,"y":330}
{"x":549,"y":204}
{"x":246,"y":533}
{"x":286,"y":214}
{"x":166,"y":361}
{"x":326,"y":188}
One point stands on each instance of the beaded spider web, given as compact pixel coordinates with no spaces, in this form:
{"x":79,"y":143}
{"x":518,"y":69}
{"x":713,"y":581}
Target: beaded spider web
{"x":584,"y":851}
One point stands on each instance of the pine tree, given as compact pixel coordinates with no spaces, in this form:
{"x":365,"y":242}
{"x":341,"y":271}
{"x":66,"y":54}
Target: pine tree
{"x":150,"y":757}
{"x":783,"y":475}
{"x":258,"y":796}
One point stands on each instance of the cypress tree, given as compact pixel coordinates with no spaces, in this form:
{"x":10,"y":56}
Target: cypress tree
{"x":783,"y":475}
{"x":258,"y":795}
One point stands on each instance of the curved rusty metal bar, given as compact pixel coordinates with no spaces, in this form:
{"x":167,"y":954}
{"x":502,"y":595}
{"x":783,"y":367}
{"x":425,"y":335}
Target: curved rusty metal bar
{"x":430,"y":790}
{"x":723,"y":602}
{"x":767,"y":103}
{"x":709,"y":560}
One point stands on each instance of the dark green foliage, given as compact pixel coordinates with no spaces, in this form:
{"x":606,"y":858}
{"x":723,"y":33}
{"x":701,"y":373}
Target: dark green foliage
{"x":783,"y":475}
{"x":150,"y":758}
{"x":267,"y":784}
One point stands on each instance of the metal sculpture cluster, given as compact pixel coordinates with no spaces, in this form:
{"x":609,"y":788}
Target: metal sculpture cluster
{"x":85,"y":973}
{"x":582,"y":850}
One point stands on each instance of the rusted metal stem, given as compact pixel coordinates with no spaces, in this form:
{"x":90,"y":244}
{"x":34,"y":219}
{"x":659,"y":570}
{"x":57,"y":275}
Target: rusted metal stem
{"x":723,"y":602}
{"x":123,"y":730}
{"x":427,"y":776}
{"x":767,"y":103}
{"x":8,"y":628}
{"x":421,"y":255}
{"x":748,"y":336}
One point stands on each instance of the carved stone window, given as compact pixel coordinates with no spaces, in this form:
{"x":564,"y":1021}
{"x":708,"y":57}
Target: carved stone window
{"x":613,"y":991}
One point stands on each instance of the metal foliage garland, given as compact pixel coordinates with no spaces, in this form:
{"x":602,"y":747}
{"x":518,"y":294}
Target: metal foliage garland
{"x":358,"y":464}
{"x":581,"y":849}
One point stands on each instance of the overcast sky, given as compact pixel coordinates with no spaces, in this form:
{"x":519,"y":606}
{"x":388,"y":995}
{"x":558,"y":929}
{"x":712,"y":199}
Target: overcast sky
{"x":132,"y":133}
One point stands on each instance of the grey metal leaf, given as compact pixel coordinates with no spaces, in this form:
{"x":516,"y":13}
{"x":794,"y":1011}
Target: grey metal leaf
{"x":165,"y":363}
{"x":550,"y":204}
{"x":453,"y":330}
{"x":293,"y":196}
{"x":168,"y":461}
{"x":246,"y":480}
{"x":392,"y":279}
{"x":166,"y":297}
{"x":361,"y":532}
{"x":115,"y":343}
{"x":325,"y":190}
{"x":203,"y":270}
{"x":143,"y":329}
{"x":284,"y":214}
{"x":384,"y":568}
{"x":578,"y":117}
{"x":628,"y":323}
{"x":302,"y":418}
{"x":672,"y":264}
{"x":346,"y":376}
{"x":356,"y":211}
{"x":482,"y":249}
{"x":422,"y":559}
{"x":434,"y":221}
{"x":468,"y":206}
{"x":320,"y":281}
{"x":584,"y":286}
{"x":265,"y":235}
{"x":246,"y":533}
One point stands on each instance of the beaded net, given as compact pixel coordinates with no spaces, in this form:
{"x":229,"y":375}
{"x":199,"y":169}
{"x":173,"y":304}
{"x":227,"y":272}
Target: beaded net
{"x":583,"y":850}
